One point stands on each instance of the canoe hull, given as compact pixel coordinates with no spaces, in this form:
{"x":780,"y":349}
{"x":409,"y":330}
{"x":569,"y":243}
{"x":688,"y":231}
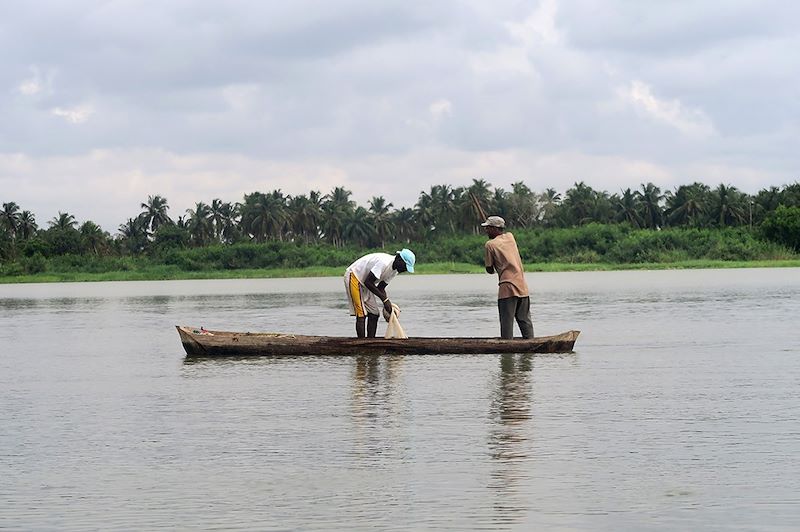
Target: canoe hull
{"x":199,"y":343}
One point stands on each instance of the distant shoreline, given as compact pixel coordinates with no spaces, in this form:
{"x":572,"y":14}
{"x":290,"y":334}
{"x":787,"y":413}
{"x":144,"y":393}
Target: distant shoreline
{"x":164,"y":273}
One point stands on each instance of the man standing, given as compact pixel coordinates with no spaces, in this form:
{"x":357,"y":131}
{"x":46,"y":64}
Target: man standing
{"x":365,"y":283}
{"x":513,"y":301}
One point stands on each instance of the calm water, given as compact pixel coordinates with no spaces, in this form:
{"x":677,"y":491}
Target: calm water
{"x":678,"y":410}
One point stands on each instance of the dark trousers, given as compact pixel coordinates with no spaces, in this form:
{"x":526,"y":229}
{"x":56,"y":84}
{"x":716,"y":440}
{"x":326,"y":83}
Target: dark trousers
{"x":512,"y":308}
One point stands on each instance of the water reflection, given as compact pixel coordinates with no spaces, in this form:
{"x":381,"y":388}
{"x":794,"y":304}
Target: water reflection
{"x":509,"y":443}
{"x":374,"y":407}
{"x":18,"y":304}
{"x":374,"y":378}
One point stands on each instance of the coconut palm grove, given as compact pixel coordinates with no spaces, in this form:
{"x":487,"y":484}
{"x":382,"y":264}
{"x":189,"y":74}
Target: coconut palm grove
{"x":269,"y":230}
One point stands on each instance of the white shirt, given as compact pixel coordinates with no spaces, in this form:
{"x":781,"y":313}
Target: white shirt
{"x":380,"y":264}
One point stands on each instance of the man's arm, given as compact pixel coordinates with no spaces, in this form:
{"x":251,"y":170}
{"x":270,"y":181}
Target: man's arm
{"x":379,"y":290}
{"x":487,"y":259}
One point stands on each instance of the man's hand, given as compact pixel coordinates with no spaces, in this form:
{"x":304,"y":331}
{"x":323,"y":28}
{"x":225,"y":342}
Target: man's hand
{"x":387,"y":309}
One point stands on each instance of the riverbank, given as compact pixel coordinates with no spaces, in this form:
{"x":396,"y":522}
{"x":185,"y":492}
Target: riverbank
{"x":170,"y":272}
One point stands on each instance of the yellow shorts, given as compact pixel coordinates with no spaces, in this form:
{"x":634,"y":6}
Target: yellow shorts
{"x":354,"y":295}
{"x":361,"y":300}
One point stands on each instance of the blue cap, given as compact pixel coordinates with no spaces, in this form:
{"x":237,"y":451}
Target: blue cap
{"x":408,"y":257}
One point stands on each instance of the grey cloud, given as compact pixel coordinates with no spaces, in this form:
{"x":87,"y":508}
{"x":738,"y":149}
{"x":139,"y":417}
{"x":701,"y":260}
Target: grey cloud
{"x":166,"y":70}
{"x":342,"y":82}
{"x":672,"y":28}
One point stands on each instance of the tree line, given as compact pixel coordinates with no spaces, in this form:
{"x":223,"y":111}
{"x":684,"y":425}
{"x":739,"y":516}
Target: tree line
{"x":442,"y":211}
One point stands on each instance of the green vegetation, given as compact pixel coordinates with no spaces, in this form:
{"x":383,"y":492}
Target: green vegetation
{"x":273,"y":235}
{"x":783,"y":226}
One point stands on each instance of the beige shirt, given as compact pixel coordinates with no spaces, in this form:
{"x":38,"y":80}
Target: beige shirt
{"x":502,"y":254}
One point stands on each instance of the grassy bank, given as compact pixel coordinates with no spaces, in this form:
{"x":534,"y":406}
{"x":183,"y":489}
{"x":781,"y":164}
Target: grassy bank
{"x":169,"y":272}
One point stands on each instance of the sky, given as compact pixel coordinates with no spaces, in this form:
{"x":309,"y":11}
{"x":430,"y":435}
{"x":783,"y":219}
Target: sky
{"x":107,"y":102}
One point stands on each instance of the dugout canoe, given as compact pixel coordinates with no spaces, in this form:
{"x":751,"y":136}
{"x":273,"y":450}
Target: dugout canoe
{"x":205,"y":343}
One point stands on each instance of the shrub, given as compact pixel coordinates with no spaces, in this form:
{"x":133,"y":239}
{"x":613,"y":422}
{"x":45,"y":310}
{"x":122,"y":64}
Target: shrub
{"x":783,"y":226}
{"x":11,"y":269}
{"x":34,"y":264}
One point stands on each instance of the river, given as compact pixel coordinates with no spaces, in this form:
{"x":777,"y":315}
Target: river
{"x":678,"y":409}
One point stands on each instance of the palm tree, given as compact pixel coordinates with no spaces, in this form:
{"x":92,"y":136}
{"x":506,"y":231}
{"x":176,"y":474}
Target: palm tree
{"x":727,"y":206}
{"x":63,"y":221}
{"x":523,"y":209}
{"x":217,"y":217}
{"x":27,"y":225}
{"x":405,"y":224}
{"x":480,"y":189}
{"x":471,"y":209}
{"x":579,"y":204}
{"x":380,"y":217}
{"x":549,"y":201}
{"x":9,"y":217}
{"x":332,"y":222}
{"x":357,"y":228}
{"x":271,"y":216}
{"x":304,"y":214}
{"x":790,"y":195}
{"x":627,"y":208}
{"x":341,"y":197}
{"x":336,"y":210}
{"x":264,"y":216}
{"x":602,"y":209}
{"x":92,"y":236}
{"x":584,"y":205}
{"x":229,"y":231}
{"x":425,"y":213}
{"x":201,"y":229}
{"x":155,"y":213}
{"x":222,"y":216}
{"x":650,"y":198}
{"x":248,"y":209}
{"x":133,"y":235}
{"x":465,"y":216}
{"x":768,"y":199}
{"x":442,"y":208}
{"x":688,"y":205}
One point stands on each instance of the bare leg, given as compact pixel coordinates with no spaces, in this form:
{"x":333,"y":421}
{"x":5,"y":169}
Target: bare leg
{"x":360,"y":326}
{"x":372,"y":325}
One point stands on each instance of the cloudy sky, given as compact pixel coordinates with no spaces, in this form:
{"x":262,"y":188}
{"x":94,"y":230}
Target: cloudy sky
{"x":106,"y":102}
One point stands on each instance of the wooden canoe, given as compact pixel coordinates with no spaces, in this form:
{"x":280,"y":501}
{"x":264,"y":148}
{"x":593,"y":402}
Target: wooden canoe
{"x":204,"y":343}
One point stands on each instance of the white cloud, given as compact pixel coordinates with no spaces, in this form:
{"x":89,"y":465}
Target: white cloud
{"x":440,"y":108}
{"x":536,"y":32}
{"x":690,"y":122}
{"x":539,"y":27}
{"x":74,"y":115}
{"x":37,"y":84}
{"x":241,"y":97}
{"x":30,"y":87}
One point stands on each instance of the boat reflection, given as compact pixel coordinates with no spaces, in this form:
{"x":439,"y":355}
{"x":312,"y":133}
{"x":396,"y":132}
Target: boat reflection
{"x":509,"y":443}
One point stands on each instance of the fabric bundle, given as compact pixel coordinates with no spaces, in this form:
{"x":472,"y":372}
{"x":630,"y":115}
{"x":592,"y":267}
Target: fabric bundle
{"x":394,"y":329}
